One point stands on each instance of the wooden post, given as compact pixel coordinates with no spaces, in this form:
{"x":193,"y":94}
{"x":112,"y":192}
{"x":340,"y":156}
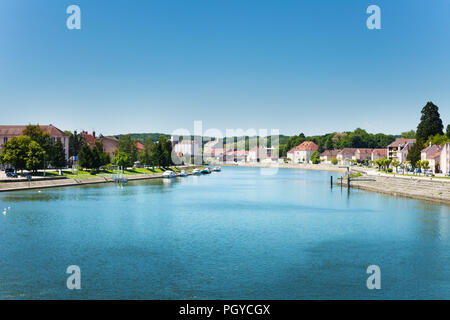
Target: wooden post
{"x":331,"y":181}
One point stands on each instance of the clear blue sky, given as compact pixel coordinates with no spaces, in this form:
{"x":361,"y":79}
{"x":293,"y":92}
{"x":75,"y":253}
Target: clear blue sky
{"x":154,"y":66}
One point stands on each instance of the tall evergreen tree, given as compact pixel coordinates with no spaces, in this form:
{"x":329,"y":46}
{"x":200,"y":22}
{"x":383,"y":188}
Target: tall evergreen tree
{"x":58,"y":159}
{"x":430,"y":122}
{"x":448,"y":131}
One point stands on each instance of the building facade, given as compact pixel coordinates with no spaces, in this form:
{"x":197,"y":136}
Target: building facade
{"x":10,"y":131}
{"x":302,"y":152}
{"x":398,"y":150}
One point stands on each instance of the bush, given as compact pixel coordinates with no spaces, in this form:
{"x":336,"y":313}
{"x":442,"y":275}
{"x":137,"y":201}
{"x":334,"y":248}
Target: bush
{"x":389,"y":170}
{"x":334,"y":161}
{"x":93,"y":172}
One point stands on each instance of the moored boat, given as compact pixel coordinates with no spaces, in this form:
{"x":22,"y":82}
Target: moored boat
{"x":183,"y":173}
{"x":168,"y":174}
{"x":205,"y":171}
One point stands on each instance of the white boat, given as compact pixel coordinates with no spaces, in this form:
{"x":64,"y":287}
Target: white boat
{"x":205,"y":171}
{"x":217,"y":169}
{"x":168,"y":174}
{"x":183,"y":173}
{"x":196,"y":171}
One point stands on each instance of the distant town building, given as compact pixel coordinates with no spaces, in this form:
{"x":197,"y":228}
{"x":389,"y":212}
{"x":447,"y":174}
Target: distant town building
{"x":328,"y":155}
{"x":302,"y":152}
{"x":444,"y":161}
{"x":398,"y":150}
{"x":259,"y":153}
{"x":363,"y":154}
{"x":187,"y":147}
{"x":346,"y":155}
{"x":9,"y":131}
{"x":432,"y":154}
{"x":378,"y":154}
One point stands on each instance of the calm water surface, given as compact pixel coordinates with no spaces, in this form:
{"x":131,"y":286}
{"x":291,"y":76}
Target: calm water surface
{"x":234,"y":234}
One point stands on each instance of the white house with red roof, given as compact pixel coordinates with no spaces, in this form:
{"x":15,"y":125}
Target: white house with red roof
{"x":302,"y":152}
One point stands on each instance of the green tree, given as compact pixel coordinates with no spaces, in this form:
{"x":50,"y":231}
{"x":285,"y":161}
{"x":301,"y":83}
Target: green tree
{"x":430,"y":122}
{"x":127,"y":145}
{"x":22,"y":153}
{"x":15,"y":151}
{"x":315,"y":157}
{"x":123,"y":160}
{"x":42,"y":138}
{"x":34,"y":157}
{"x":396,"y":164}
{"x":58,"y":159}
{"x":75,"y":143}
{"x":448,"y":131}
{"x":439,"y":139}
{"x":334,"y":161}
{"x":414,"y":153}
{"x":425,"y":164}
{"x":85,"y":157}
{"x":409,"y":134}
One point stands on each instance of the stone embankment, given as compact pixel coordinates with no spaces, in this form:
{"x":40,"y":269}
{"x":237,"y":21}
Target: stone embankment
{"x":437,"y":190}
{"x":67,"y":182}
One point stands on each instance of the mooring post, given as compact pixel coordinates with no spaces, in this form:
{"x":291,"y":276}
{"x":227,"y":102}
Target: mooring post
{"x":348,"y":181}
{"x":331,"y":181}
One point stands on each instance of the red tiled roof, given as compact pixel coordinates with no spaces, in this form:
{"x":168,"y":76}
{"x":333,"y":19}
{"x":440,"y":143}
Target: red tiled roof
{"x":348,"y":151}
{"x":330,"y":153}
{"x":432,"y":149}
{"x":305,"y":146}
{"x":139,"y":145}
{"x":401,"y":141}
{"x":379,"y":152}
{"x":89,"y":138}
{"x":12,"y":130}
{"x":365,"y":151}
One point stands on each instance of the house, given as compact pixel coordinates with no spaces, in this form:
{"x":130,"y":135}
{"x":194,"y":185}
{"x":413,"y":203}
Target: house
{"x":302,"y":152}
{"x":363,"y":154}
{"x":378,"y":154}
{"x":346,"y":154}
{"x":432,"y":154}
{"x":139,"y":146}
{"x":444,"y":161}
{"x":257,"y":154}
{"x":187,"y":147}
{"x":328,"y":155}
{"x":398,"y":150}
{"x":9,"y":131}
{"x":109,"y":145}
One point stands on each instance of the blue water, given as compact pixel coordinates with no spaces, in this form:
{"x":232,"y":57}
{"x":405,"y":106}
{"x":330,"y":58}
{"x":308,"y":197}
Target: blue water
{"x":237,"y":234}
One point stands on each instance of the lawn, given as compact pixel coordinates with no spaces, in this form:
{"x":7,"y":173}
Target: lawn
{"x":106,"y":173}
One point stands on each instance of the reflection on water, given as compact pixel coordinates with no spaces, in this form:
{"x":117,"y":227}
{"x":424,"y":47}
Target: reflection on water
{"x":233,"y":234}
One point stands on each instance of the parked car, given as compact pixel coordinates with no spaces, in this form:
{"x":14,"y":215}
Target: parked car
{"x":10,"y":174}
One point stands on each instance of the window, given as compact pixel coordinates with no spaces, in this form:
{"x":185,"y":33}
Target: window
{"x":5,"y":140}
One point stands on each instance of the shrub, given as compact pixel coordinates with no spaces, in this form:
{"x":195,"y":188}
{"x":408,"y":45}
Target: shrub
{"x":93,"y":172}
{"x":389,"y":170}
{"x":334,"y":161}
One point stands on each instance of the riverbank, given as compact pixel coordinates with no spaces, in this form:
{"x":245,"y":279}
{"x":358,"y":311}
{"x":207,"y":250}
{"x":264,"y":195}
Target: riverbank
{"x":302,"y":166}
{"x":68,"y":182}
{"x":420,"y":188}
{"x":416,"y":188}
